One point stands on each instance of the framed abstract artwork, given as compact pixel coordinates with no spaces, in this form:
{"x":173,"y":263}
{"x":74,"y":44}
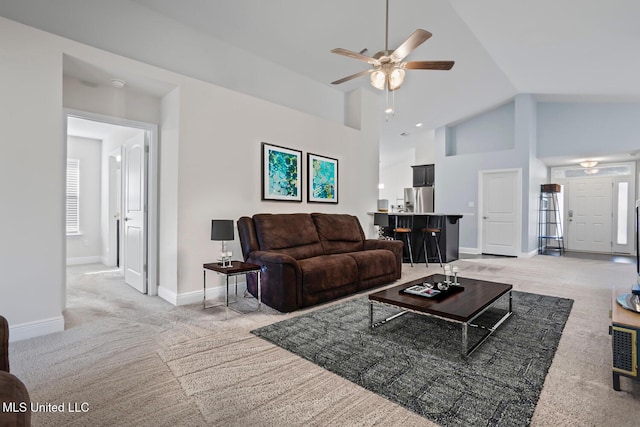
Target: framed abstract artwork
{"x":323,"y":179}
{"x":281,"y":173}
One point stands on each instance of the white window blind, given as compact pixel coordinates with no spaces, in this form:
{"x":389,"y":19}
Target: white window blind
{"x":73,"y":196}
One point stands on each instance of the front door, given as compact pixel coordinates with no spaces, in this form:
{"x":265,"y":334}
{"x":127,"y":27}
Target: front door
{"x":590,"y":214}
{"x":135,"y":215}
{"x":500,"y":217}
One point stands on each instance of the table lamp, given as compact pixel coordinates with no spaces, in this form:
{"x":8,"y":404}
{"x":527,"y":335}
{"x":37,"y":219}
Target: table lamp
{"x":381,"y":220}
{"x":222,"y":230}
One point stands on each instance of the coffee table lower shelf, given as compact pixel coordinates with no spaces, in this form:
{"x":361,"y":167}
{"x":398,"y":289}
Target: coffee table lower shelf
{"x":431,"y":308}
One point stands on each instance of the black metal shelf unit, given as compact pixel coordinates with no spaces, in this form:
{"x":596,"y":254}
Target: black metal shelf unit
{"x":550,"y":237}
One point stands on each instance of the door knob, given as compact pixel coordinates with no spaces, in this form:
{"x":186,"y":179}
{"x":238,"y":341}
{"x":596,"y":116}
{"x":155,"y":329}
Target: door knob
{"x":126,"y":218}
{"x":485,"y":217}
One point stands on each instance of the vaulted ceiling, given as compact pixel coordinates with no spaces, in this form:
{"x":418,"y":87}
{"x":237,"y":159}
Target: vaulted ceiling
{"x":555,"y":49}
{"x":568,"y":49}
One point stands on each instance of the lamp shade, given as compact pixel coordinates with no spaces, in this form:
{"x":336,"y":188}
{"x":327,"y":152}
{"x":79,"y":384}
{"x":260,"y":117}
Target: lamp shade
{"x":222,"y":229}
{"x":381,"y":219}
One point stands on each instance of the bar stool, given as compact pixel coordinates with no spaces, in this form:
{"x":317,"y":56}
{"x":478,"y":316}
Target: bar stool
{"x":403,"y":228}
{"x":432,"y":232}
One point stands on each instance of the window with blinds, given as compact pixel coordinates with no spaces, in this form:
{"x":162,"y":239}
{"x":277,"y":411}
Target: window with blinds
{"x":73,"y":196}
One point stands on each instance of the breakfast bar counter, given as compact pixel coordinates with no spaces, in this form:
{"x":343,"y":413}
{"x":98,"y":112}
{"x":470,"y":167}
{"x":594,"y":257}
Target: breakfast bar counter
{"x":449,"y":236}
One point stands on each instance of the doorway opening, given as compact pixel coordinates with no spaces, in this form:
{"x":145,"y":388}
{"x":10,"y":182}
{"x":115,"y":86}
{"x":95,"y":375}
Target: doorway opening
{"x":116,"y":181}
{"x":598,"y":207}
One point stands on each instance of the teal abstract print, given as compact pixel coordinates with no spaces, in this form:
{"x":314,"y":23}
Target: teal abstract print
{"x":281,"y":169}
{"x":323,"y":179}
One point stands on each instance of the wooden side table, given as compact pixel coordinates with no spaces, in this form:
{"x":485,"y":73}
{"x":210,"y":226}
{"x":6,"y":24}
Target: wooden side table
{"x":237,"y":268}
{"x":625,"y":338}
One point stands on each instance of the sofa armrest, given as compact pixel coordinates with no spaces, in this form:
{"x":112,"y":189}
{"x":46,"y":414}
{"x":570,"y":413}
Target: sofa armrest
{"x":281,"y":283}
{"x":394,"y":246}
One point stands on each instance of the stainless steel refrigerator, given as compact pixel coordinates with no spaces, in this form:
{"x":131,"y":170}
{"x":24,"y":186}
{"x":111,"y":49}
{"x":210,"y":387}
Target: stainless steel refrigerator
{"x":419,"y":199}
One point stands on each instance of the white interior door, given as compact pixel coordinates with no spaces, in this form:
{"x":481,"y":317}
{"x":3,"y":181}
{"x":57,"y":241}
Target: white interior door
{"x":500,"y":212}
{"x":590,"y":214}
{"x":134,"y":210}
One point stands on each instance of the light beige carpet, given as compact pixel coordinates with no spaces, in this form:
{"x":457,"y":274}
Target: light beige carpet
{"x":137,"y":360}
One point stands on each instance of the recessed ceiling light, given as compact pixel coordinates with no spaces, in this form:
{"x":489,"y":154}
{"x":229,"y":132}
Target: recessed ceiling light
{"x":118,"y":83}
{"x":418,"y":125}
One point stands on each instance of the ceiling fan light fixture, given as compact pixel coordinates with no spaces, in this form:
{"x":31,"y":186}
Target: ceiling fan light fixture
{"x":396,"y":78}
{"x":378,"y":79}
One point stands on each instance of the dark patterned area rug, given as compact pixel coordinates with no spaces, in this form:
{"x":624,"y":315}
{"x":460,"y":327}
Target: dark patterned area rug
{"x":415,"y":360}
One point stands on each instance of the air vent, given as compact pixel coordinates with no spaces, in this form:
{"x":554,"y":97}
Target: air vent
{"x":623,"y":354}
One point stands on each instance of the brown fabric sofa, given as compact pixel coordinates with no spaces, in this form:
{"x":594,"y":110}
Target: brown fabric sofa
{"x":13,"y":393}
{"x":308,"y":259}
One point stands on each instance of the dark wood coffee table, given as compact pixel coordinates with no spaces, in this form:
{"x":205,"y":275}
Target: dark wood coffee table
{"x":461,"y":307}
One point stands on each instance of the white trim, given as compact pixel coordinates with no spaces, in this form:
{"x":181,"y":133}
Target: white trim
{"x":85,"y":260}
{"x":152,"y":188}
{"x":167,"y":295}
{"x":193,"y":297}
{"x":38,"y":328}
{"x":471,"y":251}
{"x":214,"y":293}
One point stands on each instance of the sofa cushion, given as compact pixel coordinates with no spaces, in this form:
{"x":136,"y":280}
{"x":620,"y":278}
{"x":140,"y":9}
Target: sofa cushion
{"x":374,"y":263}
{"x":291,"y":234}
{"x":339,"y":233}
{"x":327,"y":272}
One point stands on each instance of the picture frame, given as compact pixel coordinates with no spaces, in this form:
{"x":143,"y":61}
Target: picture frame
{"x":322,"y":179}
{"x":281,"y":173}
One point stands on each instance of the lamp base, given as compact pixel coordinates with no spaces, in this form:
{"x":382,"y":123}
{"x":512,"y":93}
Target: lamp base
{"x":225,"y":262}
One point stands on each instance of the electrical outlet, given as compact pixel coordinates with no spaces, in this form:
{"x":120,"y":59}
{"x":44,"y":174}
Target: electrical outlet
{"x":472,"y":205}
{"x":85,"y":243}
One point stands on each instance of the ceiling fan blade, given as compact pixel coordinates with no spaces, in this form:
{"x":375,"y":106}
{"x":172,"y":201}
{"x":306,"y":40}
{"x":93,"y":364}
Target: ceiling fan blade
{"x":418,"y":37}
{"x":353,"y":76}
{"x":352,"y":54}
{"x":429,"y":65}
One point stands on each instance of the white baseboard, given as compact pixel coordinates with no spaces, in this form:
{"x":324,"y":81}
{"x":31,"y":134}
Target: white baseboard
{"x":471,"y":251}
{"x":38,"y":328}
{"x":85,"y":260}
{"x":196,"y":297}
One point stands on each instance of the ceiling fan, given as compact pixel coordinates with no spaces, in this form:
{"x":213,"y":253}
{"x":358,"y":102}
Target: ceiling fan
{"x":388,"y":69}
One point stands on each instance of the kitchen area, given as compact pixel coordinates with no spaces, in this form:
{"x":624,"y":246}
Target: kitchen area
{"x":429,"y":236}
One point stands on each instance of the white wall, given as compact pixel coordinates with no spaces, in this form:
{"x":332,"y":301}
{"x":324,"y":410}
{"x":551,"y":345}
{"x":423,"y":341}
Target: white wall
{"x":425,"y":148}
{"x":169,"y":197}
{"x":210,"y":168}
{"x":110,"y":101}
{"x":396,"y":175}
{"x":395,"y":164}
{"x":86,"y":247}
{"x":134,"y":31}
{"x":220,"y":136}
{"x":32,"y":176}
